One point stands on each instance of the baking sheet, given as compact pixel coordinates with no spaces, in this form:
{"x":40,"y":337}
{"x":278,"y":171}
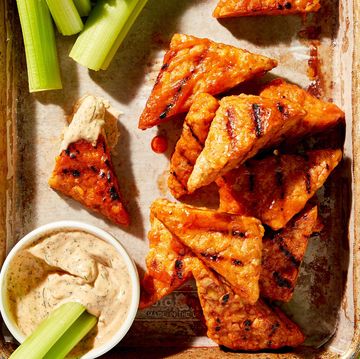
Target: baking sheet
{"x":324,"y":298}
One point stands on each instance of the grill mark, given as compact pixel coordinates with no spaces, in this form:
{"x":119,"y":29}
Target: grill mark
{"x":238,"y":233}
{"x":75,"y":173}
{"x":281,"y":281}
{"x":174,"y":174}
{"x":256,"y":116}
{"x":175,"y":98}
{"x":195,"y":137}
{"x":212,"y":256}
{"x":225,"y":298}
{"x":294,"y":261}
{"x":183,"y":155}
{"x":247,"y":324}
{"x":113,"y":194}
{"x":178,"y":268}
{"x":169,"y":56}
{"x":274,"y":328}
{"x":237,"y":262}
{"x":230,"y":124}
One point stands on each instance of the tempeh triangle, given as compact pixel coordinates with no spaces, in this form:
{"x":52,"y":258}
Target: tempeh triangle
{"x":84,"y":170}
{"x":191,"y":143}
{"x":229,"y":244}
{"x":240,"y":326}
{"x":276,"y":187}
{"x":283,"y":253}
{"x":167,"y":264}
{"x":192,"y":66}
{"x":234,"y":8}
{"x":320,"y":115}
{"x":243,"y":126}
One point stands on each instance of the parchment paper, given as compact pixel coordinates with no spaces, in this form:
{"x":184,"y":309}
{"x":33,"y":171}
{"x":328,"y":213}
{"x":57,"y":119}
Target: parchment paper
{"x":323,"y":299}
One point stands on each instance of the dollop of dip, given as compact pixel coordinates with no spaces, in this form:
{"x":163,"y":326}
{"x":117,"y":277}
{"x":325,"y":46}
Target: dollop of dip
{"x":87,"y":122}
{"x":70,"y":266}
{"x":91,"y":117}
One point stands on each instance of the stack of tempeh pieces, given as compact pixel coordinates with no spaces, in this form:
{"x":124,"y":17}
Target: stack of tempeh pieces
{"x":237,"y":265}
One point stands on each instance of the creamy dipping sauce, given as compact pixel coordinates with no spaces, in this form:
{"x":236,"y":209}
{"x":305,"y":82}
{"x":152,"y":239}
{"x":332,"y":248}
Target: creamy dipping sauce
{"x":87,"y":123}
{"x":70,"y":266}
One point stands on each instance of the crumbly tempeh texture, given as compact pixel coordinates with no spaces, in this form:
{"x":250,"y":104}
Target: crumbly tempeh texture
{"x":243,"y":126}
{"x":234,"y":8}
{"x":276,"y":187}
{"x":191,"y":143}
{"x":282,"y":255}
{"x":192,"y":66}
{"x":167,"y":264}
{"x":86,"y":174}
{"x":320,"y":115}
{"x":240,"y":326}
{"x":229,"y":244}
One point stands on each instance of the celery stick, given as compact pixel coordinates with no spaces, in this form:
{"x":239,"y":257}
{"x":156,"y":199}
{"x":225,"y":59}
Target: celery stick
{"x":66,"y":16}
{"x":49,"y":332}
{"x":83,"y":7}
{"x":104,"y":30}
{"x":40,"y":47}
{"x":73,"y":335}
{"x":129,"y":23}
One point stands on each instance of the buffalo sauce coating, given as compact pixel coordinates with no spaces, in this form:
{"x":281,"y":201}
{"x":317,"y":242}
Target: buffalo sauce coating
{"x":70,"y":266}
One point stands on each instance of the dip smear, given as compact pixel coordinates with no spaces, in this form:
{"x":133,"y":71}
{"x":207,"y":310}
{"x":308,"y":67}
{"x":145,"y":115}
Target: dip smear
{"x":70,"y":266}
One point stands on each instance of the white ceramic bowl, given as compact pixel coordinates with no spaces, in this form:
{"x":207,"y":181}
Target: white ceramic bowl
{"x":66,"y":225}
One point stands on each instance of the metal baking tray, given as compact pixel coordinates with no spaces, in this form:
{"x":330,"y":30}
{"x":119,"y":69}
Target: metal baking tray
{"x":326,"y":300}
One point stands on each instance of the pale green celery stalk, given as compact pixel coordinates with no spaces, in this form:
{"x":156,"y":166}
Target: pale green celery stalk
{"x":40,"y":47}
{"x":49,"y":331}
{"x":72,"y":336}
{"x":104,"y":30}
{"x":83,"y":7}
{"x":129,"y":23}
{"x":66,"y":16}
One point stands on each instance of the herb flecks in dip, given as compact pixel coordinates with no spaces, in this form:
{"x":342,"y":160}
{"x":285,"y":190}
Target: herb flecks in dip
{"x":70,"y":266}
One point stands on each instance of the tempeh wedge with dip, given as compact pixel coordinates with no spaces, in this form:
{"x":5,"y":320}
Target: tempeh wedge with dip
{"x":84,"y":169}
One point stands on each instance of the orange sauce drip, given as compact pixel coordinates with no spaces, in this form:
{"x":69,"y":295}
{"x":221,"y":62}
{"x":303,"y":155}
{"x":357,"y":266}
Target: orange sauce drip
{"x":159,"y":144}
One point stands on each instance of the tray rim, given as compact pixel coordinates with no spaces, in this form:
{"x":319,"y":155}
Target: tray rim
{"x":8,"y":92}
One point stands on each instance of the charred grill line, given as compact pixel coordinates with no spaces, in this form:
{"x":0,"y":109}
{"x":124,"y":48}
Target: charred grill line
{"x":295,"y":262}
{"x":230,"y":124}
{"x":75,"y":173}
{"x":274,"y":328}
{"x":196,"y":138}
{"x":238,"y":233}
{"x":256,"y":116}
{"x":168,"y":57}
{"x":247,"y":325}
{"x":183,"y":81}
{"x":183,"y":155}
{"x":225,"y":298}
{"x":174,"y":174}
{"x":113,"y":194}
{"x":281,"y":281}
{"x":213,"y":257}
{"x":178,"y":268}
{"x":237,"y":262}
